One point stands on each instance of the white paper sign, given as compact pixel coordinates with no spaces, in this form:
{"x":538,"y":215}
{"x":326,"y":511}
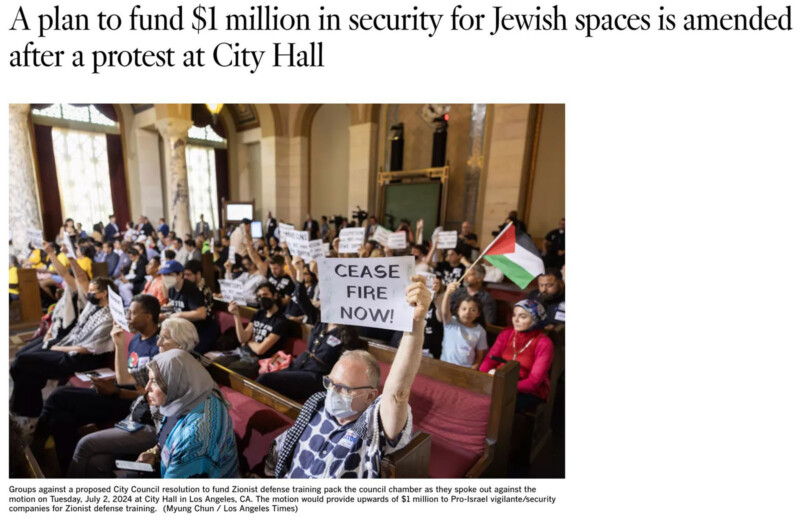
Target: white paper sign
{"x":316,"y":249}
{"x":350,"y":239}
{"x":326,"y":247}
{"x":281,"y":232}
{"x":397,"y":240}
{"x":96,"y":374}
{"x":211,"y":245}
{"x":447,"y":240}
{"x":117,"y":310}
{"x":35,"y":238}
{"x":70,"y":248}
{"x":232,"y":291}
{"x":367,"y":292}
{"x":232,"y":254}
{"x":381,"y":235}
{"x":429,"y":280}
{"x":297,"y":240}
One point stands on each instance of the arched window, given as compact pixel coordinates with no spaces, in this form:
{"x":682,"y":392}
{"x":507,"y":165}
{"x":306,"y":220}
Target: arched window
{"x":202,"y":174}
{"x":81,"y":158}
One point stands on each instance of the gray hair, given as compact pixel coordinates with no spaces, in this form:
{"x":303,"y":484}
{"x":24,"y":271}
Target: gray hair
{"x":182,"y":332}
{"x":373,"y":368}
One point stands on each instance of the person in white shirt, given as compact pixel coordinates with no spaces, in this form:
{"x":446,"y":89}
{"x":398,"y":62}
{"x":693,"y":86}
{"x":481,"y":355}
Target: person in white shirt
{"x":181,"y":253}
{"x":250,"y":279}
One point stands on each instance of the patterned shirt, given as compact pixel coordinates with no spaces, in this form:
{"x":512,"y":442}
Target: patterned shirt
{"x":326,"y":449}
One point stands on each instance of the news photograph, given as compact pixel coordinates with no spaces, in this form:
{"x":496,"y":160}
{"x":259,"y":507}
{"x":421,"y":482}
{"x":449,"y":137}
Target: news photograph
{"x":261,"y":291}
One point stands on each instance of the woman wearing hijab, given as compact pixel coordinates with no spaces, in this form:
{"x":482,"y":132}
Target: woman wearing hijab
{"x":525,"y":342}
{"x":196,"y":437}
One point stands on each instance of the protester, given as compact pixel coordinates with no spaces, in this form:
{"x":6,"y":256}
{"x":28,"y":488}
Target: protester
{"x":326,"y":342}
{"x":240,"y":237}
{"x":525,"y":342}
{"x":261,"y":338}
{"x":464,"y":340}
{"x":551,"y":294}
{"x":453,"y":266}
{"x":250,"y":279}
{"x":280,"y":280}
{"x":187,"y":301}
{"x":310,"y":284}
{"x":95,"y":453}
{"x":473,"y":287}
{"x":84,"y":348}
{"x":555,"y":244}
{"x":345,"y":431}
{"x":192,"y":252}
{"x":68,"y":408}
{"x":434,"y":331}
{"x":196,"y":438}
{"x":153,"y":286}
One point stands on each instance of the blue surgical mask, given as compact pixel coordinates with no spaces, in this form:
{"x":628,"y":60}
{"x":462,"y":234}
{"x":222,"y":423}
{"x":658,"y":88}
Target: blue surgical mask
{"x":339,"y":406}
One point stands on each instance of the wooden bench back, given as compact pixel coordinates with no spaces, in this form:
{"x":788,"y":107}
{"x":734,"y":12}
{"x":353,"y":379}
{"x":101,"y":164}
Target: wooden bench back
{"x":30,"y":299}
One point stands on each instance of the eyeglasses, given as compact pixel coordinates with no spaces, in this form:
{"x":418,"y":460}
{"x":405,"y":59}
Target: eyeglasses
{"x":342,"y":390}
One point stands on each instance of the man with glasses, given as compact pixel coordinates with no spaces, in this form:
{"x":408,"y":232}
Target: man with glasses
{"x":344,"y":431}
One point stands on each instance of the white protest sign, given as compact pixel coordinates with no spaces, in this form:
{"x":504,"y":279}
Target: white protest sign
{"x":297,"y":240}
{"x":447,"y":240}
{"x":283,"y":228}
{"x":70,"y":248}
{"x":326,"y":247}
{"x":35,"y":238}
{"x":211,"y":245}
{"x":397,"y":240}
{"x":232,"y":291}
{"x":351,"y":239}
{"x":316,"y":249}
{"x":117,"y":310}
{"x":232,"y":254}
{"x":367,"y":292}
{"x":381,"y":235}
{"x":429,"y":280}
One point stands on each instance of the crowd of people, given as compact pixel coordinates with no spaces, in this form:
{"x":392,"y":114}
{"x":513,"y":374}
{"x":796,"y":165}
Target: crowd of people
{"x":160,"y":395}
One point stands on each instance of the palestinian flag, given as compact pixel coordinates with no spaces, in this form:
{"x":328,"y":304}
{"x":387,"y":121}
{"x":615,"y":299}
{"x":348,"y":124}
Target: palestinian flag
{"x":516,"y":256}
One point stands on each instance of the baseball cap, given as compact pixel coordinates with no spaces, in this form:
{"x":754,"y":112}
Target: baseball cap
{"x":171,"y":267}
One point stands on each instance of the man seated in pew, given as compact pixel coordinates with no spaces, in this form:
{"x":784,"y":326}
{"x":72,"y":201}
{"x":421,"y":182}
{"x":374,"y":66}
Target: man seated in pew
{"x":68,"y":408}
{"x":278,"y":277}
{"x":95,"y":453}
{"x":250,"y":279}
{"x":192,"y":252}
{"x":464,"y":341}
{"x":193,"y":272}
{"x":345,"y":431}
{"x":326,"y":342}
{"x":473,"y":287}
{"x":187,"y":301}
{"x":85,"y":347}
{"x":454,"y":264}
{"x":550,"y":293}
{"x":527,"y":343}
{"x":434,"y":330}
{"x":111,"y":259}
{"x":260,"y":339}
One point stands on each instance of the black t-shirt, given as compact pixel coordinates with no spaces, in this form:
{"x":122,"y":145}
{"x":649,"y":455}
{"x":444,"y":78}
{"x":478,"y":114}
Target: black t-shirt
{"x":434,"y":334}
{"x":558,"y":241}
{"x":471,"y":237}
{"x":264,"y":325}
{"x":450,"y":273}
{"x":188,"y":299}
{"x":282,"y":284}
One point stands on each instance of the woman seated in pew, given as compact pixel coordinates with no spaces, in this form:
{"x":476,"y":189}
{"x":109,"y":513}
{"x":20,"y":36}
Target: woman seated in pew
{"x":95,"y":453}
{"x":525,"y":342}
{"x":195,"y":439}
{"x":264,"y":335}
{"x":326,"y":342}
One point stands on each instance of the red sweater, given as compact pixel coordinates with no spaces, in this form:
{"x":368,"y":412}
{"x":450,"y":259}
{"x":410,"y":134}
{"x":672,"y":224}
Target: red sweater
{"x":534,"y":361}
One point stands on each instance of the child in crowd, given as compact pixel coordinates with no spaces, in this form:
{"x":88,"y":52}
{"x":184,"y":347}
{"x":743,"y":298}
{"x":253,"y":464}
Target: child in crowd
{"x":464,"y":340}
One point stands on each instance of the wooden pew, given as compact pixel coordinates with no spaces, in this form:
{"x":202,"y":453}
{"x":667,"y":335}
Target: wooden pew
{"x":409,"y":462}
{"x":209,"y":270}
{"x":29,"y":306}
{"x":501,"y":388}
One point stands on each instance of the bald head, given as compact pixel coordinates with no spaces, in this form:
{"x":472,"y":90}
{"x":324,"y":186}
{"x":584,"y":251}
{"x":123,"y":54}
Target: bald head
{"x":357,"y":369}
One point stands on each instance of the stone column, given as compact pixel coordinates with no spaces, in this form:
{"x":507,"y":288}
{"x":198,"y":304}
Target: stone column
{"x":175,"y":132}
{"x":297,"y":200}
{"x":363,"y":166}
{"x":23,"y":203}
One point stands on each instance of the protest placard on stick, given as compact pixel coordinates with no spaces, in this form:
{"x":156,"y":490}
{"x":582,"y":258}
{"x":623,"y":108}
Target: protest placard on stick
{"x":367,"y":292}
{"x":351,"y":239}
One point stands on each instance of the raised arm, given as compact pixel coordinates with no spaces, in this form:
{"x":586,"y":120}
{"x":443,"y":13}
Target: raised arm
{"x":397,"y":389}
{"x":301,"y":296}
{"x":429,"y":257}
{"x":243,"y":334}
{"x":260,"y":263}
{"x":81,"y":277}
{"x":447,"y":315}
{"x":60,"y":268}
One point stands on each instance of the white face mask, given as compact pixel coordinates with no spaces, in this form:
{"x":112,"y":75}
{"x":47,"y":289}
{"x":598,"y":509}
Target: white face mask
{"x":170,"y":281}
{"x":339,"y":406}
